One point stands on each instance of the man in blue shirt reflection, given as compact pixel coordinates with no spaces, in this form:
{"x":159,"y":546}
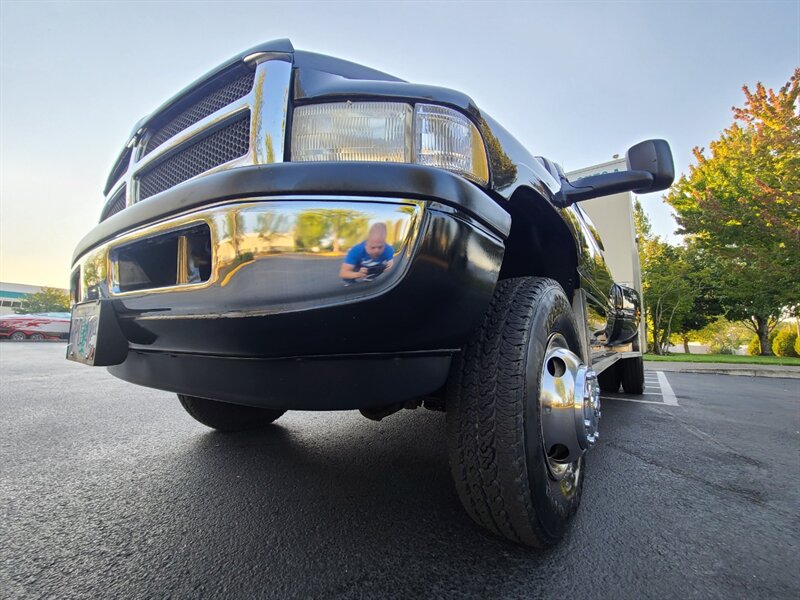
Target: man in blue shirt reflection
{"x":365,"y":261}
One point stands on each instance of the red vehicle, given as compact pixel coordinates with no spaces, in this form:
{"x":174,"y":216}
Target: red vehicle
{"x":39,"y":326}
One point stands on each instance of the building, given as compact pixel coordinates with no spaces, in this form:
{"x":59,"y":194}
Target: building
{"x":11,"y":295}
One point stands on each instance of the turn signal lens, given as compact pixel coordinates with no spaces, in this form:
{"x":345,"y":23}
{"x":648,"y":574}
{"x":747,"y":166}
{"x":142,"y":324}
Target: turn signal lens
{"x":357,"y":131}
{"x":447,"y":139}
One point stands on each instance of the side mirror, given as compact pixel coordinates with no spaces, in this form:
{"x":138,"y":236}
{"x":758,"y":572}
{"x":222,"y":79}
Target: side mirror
{"x":650,"y":169}
{"x":654,"y":157}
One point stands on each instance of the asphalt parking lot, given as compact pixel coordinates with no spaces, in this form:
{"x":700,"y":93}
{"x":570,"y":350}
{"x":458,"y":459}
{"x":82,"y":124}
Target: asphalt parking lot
{"x":111,"y":490}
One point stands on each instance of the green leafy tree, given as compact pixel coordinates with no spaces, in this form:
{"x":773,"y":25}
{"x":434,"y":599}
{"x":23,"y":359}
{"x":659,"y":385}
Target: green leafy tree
{"x":311,"y":227}
{"x":675,"y":295}
{"x":346,"y":227}
{"x":342,"y":228}
{"x":740,"y":204}
{"x":704,"y":306}
{"x":48,"y":300}
{"x":723,"y":336}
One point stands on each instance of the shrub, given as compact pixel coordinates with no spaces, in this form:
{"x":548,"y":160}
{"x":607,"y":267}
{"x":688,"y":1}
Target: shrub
{"x":784,"y":343}
{"x":797,"y":345}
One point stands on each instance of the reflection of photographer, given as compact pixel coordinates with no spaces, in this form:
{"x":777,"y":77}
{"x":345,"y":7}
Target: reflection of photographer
{"x":370,"y":258}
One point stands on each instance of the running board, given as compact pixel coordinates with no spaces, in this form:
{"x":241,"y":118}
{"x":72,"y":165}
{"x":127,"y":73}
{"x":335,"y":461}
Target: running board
{"x":606,"y":361}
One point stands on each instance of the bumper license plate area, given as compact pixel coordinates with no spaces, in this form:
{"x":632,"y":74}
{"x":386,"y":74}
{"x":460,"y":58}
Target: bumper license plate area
{"x":94,"y":335}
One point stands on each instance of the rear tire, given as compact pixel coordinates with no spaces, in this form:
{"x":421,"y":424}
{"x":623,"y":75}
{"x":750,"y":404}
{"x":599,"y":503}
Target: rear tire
{"x":494,"y":433}
{"x":17,"y":336}
{"x":610,"y":379}
{"x":224,"y":416}
{"x":632,"y":374}
{"x":37,"y":337}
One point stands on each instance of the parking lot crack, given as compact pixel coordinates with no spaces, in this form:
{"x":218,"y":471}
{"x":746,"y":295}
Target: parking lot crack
{"x":710,"y":439}
{"x":750,"y":495}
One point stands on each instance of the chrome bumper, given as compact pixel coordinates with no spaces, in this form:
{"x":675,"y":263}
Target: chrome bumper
{"x":263,"y":255}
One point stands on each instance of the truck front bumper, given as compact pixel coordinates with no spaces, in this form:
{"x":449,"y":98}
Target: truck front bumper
{"x":250,"y":307}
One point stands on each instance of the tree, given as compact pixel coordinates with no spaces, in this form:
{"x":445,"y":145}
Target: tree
{"x":311,"y":228}
{"x":675,"y":294}
{"x":740,"y":205}
{"x":723,"y":336}
{"x":346,"y":227}
{"x":341,"y":227}
{"x":48,"y":300}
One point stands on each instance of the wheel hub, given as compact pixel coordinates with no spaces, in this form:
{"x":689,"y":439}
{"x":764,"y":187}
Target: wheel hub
{"x":570,"y":406}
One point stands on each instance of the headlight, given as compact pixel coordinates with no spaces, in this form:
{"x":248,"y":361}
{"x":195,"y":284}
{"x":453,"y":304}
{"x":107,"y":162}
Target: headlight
{"x":382,"y":132}
{"x":362,"y":131}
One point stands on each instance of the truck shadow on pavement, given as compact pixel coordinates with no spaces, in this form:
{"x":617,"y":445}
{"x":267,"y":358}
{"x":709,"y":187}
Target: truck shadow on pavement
{"x":363,"y":504}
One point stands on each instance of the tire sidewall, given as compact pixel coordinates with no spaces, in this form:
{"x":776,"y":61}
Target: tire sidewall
{"x":551,"y":314}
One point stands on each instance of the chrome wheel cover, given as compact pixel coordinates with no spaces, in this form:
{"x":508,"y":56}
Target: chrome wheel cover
{"x":569,"y":399}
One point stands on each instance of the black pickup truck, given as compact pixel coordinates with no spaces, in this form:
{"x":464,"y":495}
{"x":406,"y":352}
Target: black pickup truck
{"x":295,"y":231}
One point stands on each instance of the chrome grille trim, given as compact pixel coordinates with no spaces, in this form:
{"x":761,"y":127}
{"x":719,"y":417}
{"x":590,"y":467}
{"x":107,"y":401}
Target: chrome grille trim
{"x":119,"y":169}
{"x":268,"y":103}
{"x":116,"y":203}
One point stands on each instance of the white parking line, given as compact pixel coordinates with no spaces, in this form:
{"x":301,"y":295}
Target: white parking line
{"x":656,"y":386}
{"x":666,"y":390}
{"x":631,"y":400}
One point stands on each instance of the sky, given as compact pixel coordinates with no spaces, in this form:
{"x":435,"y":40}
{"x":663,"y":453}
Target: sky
{"x":576,"y":82}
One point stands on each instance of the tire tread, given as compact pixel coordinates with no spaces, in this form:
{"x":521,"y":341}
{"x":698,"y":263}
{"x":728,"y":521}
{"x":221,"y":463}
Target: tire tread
{"x":486,"y":436}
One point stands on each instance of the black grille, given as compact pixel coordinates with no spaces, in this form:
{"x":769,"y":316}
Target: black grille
{"x":225,"y":144}
{"x":119,"y":169}
{"x":196,"y":108}
{"x":114,"y":205}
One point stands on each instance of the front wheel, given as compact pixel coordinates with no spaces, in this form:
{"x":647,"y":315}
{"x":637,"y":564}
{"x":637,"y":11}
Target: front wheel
{"x":17,"y":336}
{"x":37,"y":337}
{"x":228,"y":417}
{"x":521,"y":411}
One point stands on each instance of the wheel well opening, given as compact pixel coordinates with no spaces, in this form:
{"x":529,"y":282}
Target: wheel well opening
{"x":540,"y":243}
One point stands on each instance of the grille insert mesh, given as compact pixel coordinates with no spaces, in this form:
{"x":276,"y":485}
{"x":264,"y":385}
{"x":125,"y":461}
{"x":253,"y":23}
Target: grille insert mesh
{"x":225,"y":144}
{"x":200,"y":109}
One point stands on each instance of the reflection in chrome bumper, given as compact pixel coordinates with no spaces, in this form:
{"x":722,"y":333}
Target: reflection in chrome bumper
{"x":266,"y":255}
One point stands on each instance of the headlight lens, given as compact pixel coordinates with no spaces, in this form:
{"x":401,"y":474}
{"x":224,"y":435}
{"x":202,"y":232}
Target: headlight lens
{"x":382,"y":132}
{"x":359,"y":131}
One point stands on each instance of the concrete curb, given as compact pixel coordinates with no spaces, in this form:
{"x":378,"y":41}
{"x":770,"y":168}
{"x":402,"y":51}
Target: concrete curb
{"x":786,"y":372}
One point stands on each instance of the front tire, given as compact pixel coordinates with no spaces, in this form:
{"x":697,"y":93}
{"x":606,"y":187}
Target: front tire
{"x":223,"y":416}
{"x":17,"y":336}
{"x":504,"y":478}
{"x":37,"y":337}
